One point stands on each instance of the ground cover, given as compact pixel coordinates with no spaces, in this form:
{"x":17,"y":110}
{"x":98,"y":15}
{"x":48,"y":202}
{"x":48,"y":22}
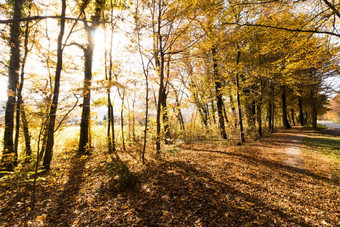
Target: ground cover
{"x":198,"y":184}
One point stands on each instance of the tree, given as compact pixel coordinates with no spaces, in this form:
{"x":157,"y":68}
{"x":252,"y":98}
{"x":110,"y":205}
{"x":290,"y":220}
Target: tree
{"x":84,"y":144}
{"x":55,"y":99}
{"x":8,"y":158}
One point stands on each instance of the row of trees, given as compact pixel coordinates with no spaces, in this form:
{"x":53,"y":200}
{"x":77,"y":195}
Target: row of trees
{"x":240,"y":65}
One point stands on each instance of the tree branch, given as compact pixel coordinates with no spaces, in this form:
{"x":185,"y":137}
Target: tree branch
{"x":8,"y":21}
{"x":336,"y":12}
{"x":62,"y":120}
{"x":285,"y":29}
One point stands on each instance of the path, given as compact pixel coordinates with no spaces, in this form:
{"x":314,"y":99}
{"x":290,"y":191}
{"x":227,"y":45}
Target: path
{"x":293,"y":149}
{"x":332,"y":127}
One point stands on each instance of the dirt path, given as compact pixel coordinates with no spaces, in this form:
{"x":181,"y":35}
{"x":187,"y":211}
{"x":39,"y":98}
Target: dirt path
{"x":293,"y":149}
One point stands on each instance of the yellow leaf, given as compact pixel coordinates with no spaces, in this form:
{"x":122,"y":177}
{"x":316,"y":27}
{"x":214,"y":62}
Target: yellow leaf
{"x":10,"y":93}
{"x":40,"y":218}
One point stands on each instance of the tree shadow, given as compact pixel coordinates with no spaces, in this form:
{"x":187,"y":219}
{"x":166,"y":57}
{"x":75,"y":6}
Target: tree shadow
{"x":182,"y":194}
{"x":60,"y":213}
{"x":271,"y":164}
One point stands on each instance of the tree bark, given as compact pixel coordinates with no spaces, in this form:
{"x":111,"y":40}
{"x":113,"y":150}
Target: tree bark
{"x":313,"y":107}
{"x":14,"y":66}
{"x":84,"y":140}
{"x":160,"y":66}
{"x":271,"y":108}
{"x":20,"y":108}
{"x":284,"y":109}
{"x":85,"y":115}
{"x":293,"y":116}
{"x":122,"y":96}
{"x":259,"y":118}
{"x":55,"y":99}
{"x":239,"y":101}
{"x":27,"y":135}
{"x":219,"y":100}
{"x":300,"y":110}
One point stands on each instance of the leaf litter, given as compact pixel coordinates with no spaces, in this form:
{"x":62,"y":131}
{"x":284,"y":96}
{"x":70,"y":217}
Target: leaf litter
{"x":202,"y":184}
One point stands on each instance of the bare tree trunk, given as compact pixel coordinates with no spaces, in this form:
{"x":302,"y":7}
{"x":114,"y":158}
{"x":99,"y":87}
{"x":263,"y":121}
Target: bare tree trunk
{"x":219,"y":100}
{"x":179,"y":112}
{"x":271,"y":108}
{"x":239,"y":101}
{"x":259,"y":118}
{"x":133,"y":118}
{"x":20,"y":109}
{"x":54,"y":106}
{"x":284,"y":109}
{"x":213,"y":111}
{"x":146,"y":113}
{"x":85,"y":116}
{"x":225,"y":114}
{"x":160,"y":65}
{"x":146,"y":74}
{"x":233,"y":110}
{"x":14,"y":66}
{"x":293,"y":116}
{"x":108,"y":76}
{"x":300,"y":110}
{"x":166,"y":125}
{"x":122,"y":96}
{"x":313,"y":107}
{"x":27,"y":135}
{"x":84,"y":140}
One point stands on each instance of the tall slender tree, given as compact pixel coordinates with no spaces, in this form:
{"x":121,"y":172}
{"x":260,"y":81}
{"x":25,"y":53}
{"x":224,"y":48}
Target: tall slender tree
{"x":8,"y":158}
{"x":55,"y":99}
{"x":84,"y":139}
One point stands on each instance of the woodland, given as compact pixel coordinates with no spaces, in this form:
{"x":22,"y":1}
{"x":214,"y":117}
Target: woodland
{"x":178,"y":112}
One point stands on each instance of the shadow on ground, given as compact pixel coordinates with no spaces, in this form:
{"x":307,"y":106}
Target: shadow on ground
{"x":61,"y":213}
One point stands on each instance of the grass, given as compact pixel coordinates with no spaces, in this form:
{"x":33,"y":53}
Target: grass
{"x":326,"y":144}
{"x":323,"y":147}
{"x":319,"y":127}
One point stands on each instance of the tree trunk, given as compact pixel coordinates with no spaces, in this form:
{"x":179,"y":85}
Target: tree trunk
{"x":27,"y":135}
{"x":301,"y":119}
{"x":271,"y":108}
{"x":313,"y":108}
{"x":14,"y":66}
{"x":108,"y":76}
{"x":20,"y":107}
{"x":259,"y":118}
{"x":179,"y":112}
{"x":239,"y":109}
{"x":133,"y":118}
{"x":54,"y":106}
{"x":122,"y":119}
{"x":85,"y":116}
{"x":284,"y":109}
{"x":166,"y":125}
{"x":85,"y":138}
{"x":293,"y":116}
{"x":160,"y":66}
{"x":239,"y":101}
{"x":233,"y":110}
{"x":219,"y":100}
{"x":213,"y":111}
{"x":225,"y":114}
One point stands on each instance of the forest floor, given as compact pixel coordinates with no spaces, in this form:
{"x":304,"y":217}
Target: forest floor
{"x":283,"y":180}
